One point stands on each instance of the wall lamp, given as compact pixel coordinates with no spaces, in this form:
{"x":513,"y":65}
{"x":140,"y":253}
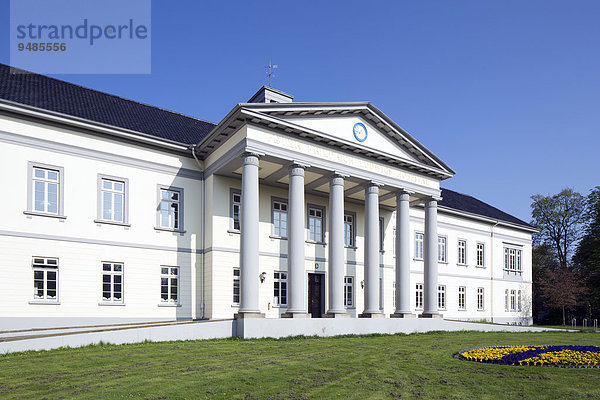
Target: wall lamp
{"x":262,"y":277}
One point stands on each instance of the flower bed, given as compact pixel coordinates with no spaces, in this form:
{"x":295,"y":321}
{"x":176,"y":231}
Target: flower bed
{"x":546,"y":356}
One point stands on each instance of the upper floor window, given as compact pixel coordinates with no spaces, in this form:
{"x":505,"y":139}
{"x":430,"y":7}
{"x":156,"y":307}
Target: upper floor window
{"x":462,"y":252}
{"x":236,"y":208}
{"x":315,"y":224}
{"x":419,"y":245}
{"x":112,"y":200}
{"x":45,"y":279}
{"x":480,"y":254}
{"x":170,"y":208}
{"x":441,"y":297}
{"x":45,"y":193}
{"x":512,"y":261}
{"x":442,"y":255}
{"x":279,"y":216}
{"x":462,"y":298}
{"x":280,"y":288}
{"x":349,"y":230}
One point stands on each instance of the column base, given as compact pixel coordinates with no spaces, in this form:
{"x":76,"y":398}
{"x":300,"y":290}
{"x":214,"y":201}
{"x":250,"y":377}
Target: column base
{"x":430,"y":315}
{"x":337,"y":315}
{"x":296,"y":315}
{"x":246,"y":315}
{"x":403,"y":315}
{"x":371,"y":315}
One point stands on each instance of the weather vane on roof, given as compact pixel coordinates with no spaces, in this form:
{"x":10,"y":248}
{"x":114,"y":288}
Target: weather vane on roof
{"x":270,"y":71}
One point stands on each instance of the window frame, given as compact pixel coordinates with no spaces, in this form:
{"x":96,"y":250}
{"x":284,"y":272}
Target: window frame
{"x":381,"y":234}
{"x":477,"y":264}
{"x":112,"y":273}
{"x":480,"y":299}
{"x":283,"y":201}
{"x":277,"y":281}
{"x":462,"y":298}
{"x":169,"y":276}
{"x":353,"y":227}
{"x":419,"y":254}
{"x":464,"y":250}
{"x":513,"y":263}
{"x":99,"y":217}
{"x":45,"y":267}
{"x":232,"y":204}
{"x":513,"y":300}
{"x":323,"y":222}
{"x":441,"y":295}
{"x":159,"y":189}
{"x":419,"y":296}
{"x":349,"y":287}
{"x":443,"y":259}
{"x":30,"y":209}
{"x":236,"y":283}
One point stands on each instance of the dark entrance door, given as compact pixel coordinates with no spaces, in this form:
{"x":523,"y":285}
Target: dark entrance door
{"x":315,"y":295}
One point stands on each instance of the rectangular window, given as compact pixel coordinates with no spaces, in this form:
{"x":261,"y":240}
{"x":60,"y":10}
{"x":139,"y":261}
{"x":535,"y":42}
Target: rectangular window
{"x":280,"y":289}
{"x":441,"y":297}
{"x":45,"y":278}
{"x":349,"y":229}
{"x":418,"y":245}
{"x":519,"y":300}
{"x":280,"y":218}
{"x":506,"y":301}
{"x":442,"y":248}
{"x":112,"y":282}
{"x":462,"y":252}
{"x":381,"y":234}
{"x":381,"y":293}
{"x":480,"y":303}
{"x":349,"y":291}
{"x":236,"y":208}
{"x":315,"y":224}
{"x":480,"y":254}
{"x":170,"y":208}
{"x":169,"y":285}
{"x":236,"y":286}
{"x":419,"y":296}
{"x":45,"y":190}
{"x":513,"y":300}
{"x":462,"y":298}
{"x":512,"y":261}
{"x":112,"y":200}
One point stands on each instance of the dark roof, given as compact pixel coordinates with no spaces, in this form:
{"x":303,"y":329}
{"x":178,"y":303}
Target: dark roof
{"x":63,"y":97}
{"x":464,"y":202}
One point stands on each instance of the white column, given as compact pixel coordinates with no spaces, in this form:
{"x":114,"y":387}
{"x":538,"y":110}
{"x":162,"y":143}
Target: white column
{"x":371,"y":274}
{"x":249,"y":237}
{"x":402,"y":256}
{"x":430,"y":256}
{"x":296,"y":239}
{"x":336,"y":247}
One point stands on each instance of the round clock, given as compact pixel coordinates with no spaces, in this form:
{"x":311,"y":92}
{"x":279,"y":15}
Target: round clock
{"x":360,"y":132}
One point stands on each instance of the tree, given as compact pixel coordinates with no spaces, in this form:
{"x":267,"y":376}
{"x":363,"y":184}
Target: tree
{"x":561,"y":288}
{"x":543,"y":259}
{"x":559,"y":219}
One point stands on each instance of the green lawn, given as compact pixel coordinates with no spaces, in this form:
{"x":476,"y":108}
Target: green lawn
{"x":372,"y":367}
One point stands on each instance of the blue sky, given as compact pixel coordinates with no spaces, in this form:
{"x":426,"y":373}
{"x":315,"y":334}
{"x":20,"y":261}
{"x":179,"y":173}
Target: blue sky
{"x":506,"y":92}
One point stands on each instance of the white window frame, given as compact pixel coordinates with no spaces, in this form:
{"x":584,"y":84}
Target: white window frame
{"x":419,"y":296}
{"x":513,"y":300}
{"x":166,"y":272}
{"x":235,"y":203}
{"x":60,"y":192}
{"x":349,"y":291}
{"x":350,"y":237}
{"x":280,"y":284}
{"x":513,"y":257}
{"x":441,"y":297}
{"x":312,"y":234}
{"x":381,"y":234}
{"x":236,"y":285}
{"x":462,"y":252}
{"x":506,"y":300}
{"x":480,"y":299}
{"x":442,"y":249}
{"x":419,"y":242}
{"x":480,"y":261}
{"x":462,"y":298}
{"x":179,"y":202}
{"x":45,"y":265}
{"x":519,"y":309}
{"x":280,"y":212}
{"x":112,"y":273}
{"x":125,"y":212}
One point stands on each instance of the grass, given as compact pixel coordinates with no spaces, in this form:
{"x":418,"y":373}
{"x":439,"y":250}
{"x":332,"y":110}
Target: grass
{"x":368,"y":367}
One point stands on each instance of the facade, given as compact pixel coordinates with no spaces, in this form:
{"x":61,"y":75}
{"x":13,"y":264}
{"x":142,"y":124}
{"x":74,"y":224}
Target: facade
{"x":118,"y":211}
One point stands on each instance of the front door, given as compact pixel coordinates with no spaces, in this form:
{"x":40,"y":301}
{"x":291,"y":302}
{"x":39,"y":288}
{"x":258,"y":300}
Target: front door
{"x":315,"y":295}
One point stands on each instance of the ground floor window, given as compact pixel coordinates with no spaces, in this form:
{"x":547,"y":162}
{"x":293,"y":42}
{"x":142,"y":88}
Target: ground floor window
{"x":480,"y":299}
{"x":462,"y":298}
{"x":280,"y":288}
{"x":112,"y":282}
{"x":419,"y":295}
{"x":349,"y":291}
{"x":513,"y":300}
{"x":45,"y":278}
{"x":441,"y":297}
{"x":236,"y":286}
{"x":169,"y":284}
{"x":518,"y":300}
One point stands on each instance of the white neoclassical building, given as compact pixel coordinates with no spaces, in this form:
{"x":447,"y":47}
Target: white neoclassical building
{"x":119,"y":211}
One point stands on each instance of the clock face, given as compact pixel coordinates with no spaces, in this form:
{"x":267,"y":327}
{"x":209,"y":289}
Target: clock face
{"x":360,"y":132}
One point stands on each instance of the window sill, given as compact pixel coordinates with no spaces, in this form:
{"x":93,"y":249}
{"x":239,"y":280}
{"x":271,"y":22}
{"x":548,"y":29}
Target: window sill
{"x":417,"y":259}
{"x":314,"y":242}
{"x":235,"y":306}
{"x":462,"y":309}
{"x":462,"y":265}
{"x":41,"y":214}
{"x":350,"y":308}
{"x":237,"y":232}
{"x":278,"y":237}
{"x":480,"y":310}
{"x":480,"y":266}
{"x":350,"y":247}
{"x":169,"y":305}
{"x":99,"y":221}
{"x":442,"y":309}
{"x":442,"y":262}
{"x":279,"y":306}
{"x":169,"y":230}
{"x":45,"y":302}
{"x":106,"y":303}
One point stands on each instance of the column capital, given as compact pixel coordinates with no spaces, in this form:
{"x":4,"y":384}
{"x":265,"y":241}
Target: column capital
{"x":428,"y":199}
{"x":250,"y":158}
{"x":404,"y":191}
{"x":371,"y":188}
{"x":297,"y":170}
{"x":337,"y":179}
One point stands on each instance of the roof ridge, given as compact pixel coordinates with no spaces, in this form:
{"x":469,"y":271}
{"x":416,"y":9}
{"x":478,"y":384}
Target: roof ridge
{"x":108,"y":94}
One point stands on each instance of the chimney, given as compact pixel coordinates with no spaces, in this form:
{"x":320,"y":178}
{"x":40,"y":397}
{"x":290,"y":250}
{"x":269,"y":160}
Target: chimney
{"x":267,"y":94}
